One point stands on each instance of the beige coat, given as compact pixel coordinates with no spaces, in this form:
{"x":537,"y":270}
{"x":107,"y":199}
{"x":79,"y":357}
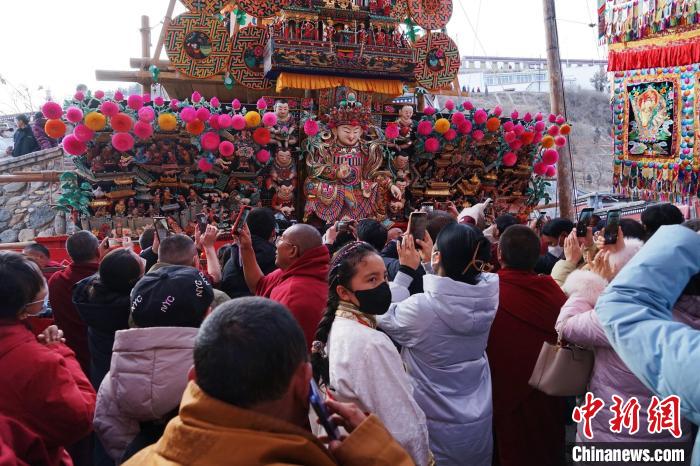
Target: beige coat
{"x":146,"y":380}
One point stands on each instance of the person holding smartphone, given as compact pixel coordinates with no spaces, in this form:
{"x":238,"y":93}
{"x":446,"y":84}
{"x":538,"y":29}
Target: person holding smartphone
{"x":248,"y":400}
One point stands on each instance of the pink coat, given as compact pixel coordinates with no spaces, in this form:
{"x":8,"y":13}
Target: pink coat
{"x":579,"y":324}
{"x":146,"y":380}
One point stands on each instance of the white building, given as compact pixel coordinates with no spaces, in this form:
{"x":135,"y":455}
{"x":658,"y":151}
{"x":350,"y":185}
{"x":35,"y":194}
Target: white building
{"x":503,"y":74}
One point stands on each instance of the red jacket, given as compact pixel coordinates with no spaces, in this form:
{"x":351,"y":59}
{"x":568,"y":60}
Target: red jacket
{"x":527,"y":423}
{"x":303,"y":288}
{"x":20,"y":446}
{"x":64,"y":312}
{"x":43,"y":387}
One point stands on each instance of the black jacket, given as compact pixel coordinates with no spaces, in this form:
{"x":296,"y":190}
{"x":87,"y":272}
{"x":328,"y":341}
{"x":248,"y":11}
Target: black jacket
{"x":392,"y":268}
{"x":150,"y":256}
{"x":545,"y":264}
{"x":104,"y":312}
{"x":233,"y":280}
{"x":24,"y":142}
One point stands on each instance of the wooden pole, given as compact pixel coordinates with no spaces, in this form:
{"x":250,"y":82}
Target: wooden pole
{"x":46,"y":175}
{"x":164,"y":30}
{"x":145,"y":43}
{"x":556,"y":97}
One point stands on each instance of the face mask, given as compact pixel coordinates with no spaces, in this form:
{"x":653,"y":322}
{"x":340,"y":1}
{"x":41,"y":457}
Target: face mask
{"x":375,"y":301}
{"x":556,"y":251}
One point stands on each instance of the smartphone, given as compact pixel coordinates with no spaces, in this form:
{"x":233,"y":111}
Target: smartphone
{"x":417,"y":223}
{"x":343,"y":226}
{"x":162,"y":228}
{"x":584,"y":219}
{"x":427,"y":207}
{"x":316,"y":402}
{"x":612,"y":226}
{"x":202,"y":223}
{"x":241,"y":219}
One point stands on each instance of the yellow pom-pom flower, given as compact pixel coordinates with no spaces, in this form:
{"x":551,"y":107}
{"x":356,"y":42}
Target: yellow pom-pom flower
{"x":252,"y":119}
{"x":442,"y":125}
{"x":167,"y":122}
{"x":95,"y":121}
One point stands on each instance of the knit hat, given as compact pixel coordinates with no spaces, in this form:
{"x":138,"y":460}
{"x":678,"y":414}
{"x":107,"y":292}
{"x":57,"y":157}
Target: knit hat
{"x":173,"y":296}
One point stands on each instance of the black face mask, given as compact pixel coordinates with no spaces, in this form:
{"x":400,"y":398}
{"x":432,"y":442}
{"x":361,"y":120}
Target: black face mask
{"x":375,"y":301}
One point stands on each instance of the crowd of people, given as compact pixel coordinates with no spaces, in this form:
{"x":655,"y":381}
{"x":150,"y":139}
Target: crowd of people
{"x":423,"y":348}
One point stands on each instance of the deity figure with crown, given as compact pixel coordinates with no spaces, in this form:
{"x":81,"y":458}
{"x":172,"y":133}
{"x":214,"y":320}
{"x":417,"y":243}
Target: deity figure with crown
{"x":344,"y":170}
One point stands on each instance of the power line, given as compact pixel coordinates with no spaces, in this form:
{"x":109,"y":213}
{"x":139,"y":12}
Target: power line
{"x":476,"y":37}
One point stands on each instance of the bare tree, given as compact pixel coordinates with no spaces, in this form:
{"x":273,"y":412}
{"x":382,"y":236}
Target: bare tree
{"x":600,"y":81}
{"x":20,"y":98}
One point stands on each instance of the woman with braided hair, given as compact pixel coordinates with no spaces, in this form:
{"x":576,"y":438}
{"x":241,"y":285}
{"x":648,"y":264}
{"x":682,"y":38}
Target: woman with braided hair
{"x":356,"y":362}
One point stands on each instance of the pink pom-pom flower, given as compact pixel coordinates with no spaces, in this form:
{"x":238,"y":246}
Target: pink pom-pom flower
{"x":516,"y":145}
{"x":519,"y":129}
{"x":392,"y":131}
{"x":224,"y":121}
{"x":509,"y":137}
{"x":236,"y":104}
{"x":210,"y":141}
{"x":497,"y":110}
{"x":540,"y":168}
{"x":146,"y":98}
{"x":269,"y":119}
{"x":539,"y":126}
{"x":83,"y":133}
{"x":238,"y":122}
{"x":226,"y":149}
{"x":73,"y":146}
{"x":430,"y":111}
{"x":122,"y":141}
{"x":468,"y":106}
{"x":550,"y":157}
{"x":480,"y":116}
{"x":204,"y":165}
{"x":52,"y":110}
{"x":310,"y":127}
{"x":537,"y":138}
{"x":552,"y":118}
{"x":99,"y":95}
{"x":478,"y":135}
{"x":527,"y":117}
{"x":450,"y":135}
{"x":465,"y":127}
{"x":174,"y":103}
{"x":538,"y":116}
{"x":214,"y":102}
{"x":560,"y":120}
{"x":79,"y":96}
{"x":159,"y":101}
{"x":458,"y":118}
{"x":143,"y":129}
{"x":432,"y":145}
{"x":509,"y":159}
{"x":508,"y":126}
{"x":74,"y":114}
{"x":560,"y":141}
{"x":203,"y":114}
{"x":450,"y":105}
{"x":188,"y":114}
{"x":134,"y":102}
{"x":553,"y":131}
{"x":196,"y":97}
{"x":514,"y":115}
{"x":118,"y":96}
{"x":261,"y":104}
{"x":146,"y":114}
{"x":551,"y":171}
{"x":263,"y":156}
{"x":425,"y":128}
{"x":214,"y":122}
{"x":109,"y":108}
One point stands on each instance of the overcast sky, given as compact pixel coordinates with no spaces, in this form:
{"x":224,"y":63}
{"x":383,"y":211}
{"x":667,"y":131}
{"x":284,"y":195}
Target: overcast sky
{"x":57,"y":44}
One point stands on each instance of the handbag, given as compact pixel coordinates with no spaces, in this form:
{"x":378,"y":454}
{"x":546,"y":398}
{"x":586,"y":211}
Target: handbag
{"x":562,"y":369}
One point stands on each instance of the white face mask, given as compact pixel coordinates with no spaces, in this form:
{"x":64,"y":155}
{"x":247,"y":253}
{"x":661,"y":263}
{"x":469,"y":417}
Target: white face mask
{"x":556,"y":251}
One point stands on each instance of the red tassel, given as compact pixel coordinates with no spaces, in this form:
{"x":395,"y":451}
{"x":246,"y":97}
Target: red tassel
{"x":678,"y":54}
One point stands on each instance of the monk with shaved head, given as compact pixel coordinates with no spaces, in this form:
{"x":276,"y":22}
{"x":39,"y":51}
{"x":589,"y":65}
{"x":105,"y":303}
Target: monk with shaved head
{"x":300,"y":283}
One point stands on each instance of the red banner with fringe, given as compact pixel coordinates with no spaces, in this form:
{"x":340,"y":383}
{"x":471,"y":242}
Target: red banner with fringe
{"x":673,"y":54}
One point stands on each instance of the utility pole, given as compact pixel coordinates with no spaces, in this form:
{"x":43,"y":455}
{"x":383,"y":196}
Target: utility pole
{"x":556,"y":98}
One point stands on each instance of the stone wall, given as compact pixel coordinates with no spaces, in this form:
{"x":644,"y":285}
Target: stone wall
{"x":25,"y":207}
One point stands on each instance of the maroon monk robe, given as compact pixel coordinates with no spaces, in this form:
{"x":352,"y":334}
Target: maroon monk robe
{"x":528,"y":425}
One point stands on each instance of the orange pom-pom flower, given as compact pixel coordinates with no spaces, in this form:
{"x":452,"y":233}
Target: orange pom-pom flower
{"x":492,"y":124}
{"x":55,"y":128}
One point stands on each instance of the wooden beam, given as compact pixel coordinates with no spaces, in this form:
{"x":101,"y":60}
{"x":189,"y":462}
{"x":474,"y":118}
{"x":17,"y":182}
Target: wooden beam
{"x":164,"y":30}
{"x":125,"y":76}
{"x":145,"y":45}
{"x":45,"y":175}
{"x":144,"y":63}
